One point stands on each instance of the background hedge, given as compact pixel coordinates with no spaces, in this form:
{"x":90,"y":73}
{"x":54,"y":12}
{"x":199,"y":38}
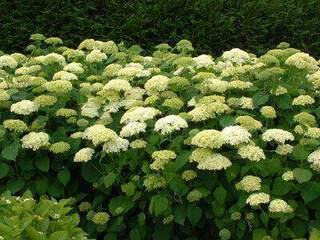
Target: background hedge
{"x":212,"y":25}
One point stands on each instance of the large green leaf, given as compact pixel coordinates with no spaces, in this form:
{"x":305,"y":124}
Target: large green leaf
{"x":4,"y":170}
{"x":315,"y":234}
{"x":158,"y":205}
{"x":180,"y":214}
{"x":310,"y":191}
{"x":42,"y":163}
{"x":59,"y":235}
{"x":194,"y":214}
{"x":15,"y":185}
{"x":10,"y":151}
{"x":220,"y":194}
{"x":64,"y":176}
{"x":302,"y":175}
{"x":109,"y":179}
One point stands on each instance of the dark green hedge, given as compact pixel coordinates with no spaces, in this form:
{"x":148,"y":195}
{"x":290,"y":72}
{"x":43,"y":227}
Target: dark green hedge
{"x":212,"y":25}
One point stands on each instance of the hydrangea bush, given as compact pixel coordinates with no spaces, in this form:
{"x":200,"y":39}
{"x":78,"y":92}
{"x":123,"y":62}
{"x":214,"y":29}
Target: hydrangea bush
{"x":167,"y":146}
{"x":25,"y":218}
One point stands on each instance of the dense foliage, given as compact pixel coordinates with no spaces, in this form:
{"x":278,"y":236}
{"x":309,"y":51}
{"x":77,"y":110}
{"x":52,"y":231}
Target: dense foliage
{"x":213,"y":26}
{"x":24,"y":218}
{"x":166,"y":146}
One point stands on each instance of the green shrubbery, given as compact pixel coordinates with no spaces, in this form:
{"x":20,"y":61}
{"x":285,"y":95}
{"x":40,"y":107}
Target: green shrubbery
{"x":212,"y":26}
{"x":166,"y":146}
{"x":24,"y":218}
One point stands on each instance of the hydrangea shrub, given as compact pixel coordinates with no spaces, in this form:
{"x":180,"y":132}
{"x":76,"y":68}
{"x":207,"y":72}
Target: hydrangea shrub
{"x":25,"y":218}
{"x":167,"y":146}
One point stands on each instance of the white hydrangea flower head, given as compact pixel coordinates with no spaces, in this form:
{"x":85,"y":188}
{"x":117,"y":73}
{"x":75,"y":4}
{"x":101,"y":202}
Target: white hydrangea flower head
{"x":256,"y":199}
{"x":96,"y":56}
{"x":156,"y":84}
{"x":58,"y":86}
{"x":314,"y":79}
{"x":4,"y":96}
{"x":8,"y":61}
{"x":214,"y":85}
{"x":204,"y":61}
{"x":118,"y":85}
{"x":236,"y":55}
{"x":74,"y":67}
{"x":249,"y":183}
{"x":169,"y":124}
{"x":99,"y":134}
{"x":35,"y":140}
{"x":314,"y":159}
{"x":303,"y":100}
{"x":161,"y":158}
{"x":63,"y":75}
{"x":235,"y":135}
{"x":208,"y":138}
{"x":313,"y":132}
{"x":133,"y":128}
{"x":253,"y":153}
{"x":24,"y":107}
{"x":137,"y":144}
{"x":215,"y":162}
{"x":302,"y":61}
{"x":83,"y":155}
{"x":116,"y":146}
{"x":284,"y":149}
{"x":52,"y":58}
{"x":268,"y":112}
{"x":288,"y":176}
{"x":277,"y":135}
{"x":280,"y":206}
{"x":91,"y":108}
{"x":139,"y":114}
{"x":238,"y":84}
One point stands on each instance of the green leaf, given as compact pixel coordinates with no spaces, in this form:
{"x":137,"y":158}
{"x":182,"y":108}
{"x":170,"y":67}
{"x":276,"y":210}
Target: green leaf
{"x":89,"y":173}
{"x":141,"y":219}
{"x":232,"y":172}
{"x":302,"y":175}
{"x":42,"y":163}
{"x":10,"y":152}
{"x":178,"y":186}
{"x":194,"y":214}
{"x":109,"y":179}
{"x":120,"y":202}
{"x":299,"y":153}
{"x":310,"y":191}
{"x":220,"y":194}
{"x":135,"y":234}
{"x":39,"y":123}
{"x":41,"y":184}
{"x":281,"y":187}
{"x":180,"y":214}
{"x":15,"y":185}
{"x":158,"y":205}
{"x":56,"y":189}
{"x":59,"y":235}
{"x":128,"y":188}
{"x":135,"y":49}
{"x":64,"y":176}
{"x":315,"y":234}
{"x":226,"y":120}
{"x":260,"y":99}
{"x":264,"y":217}
{"x":4,"y":170}
{"x":284,"y":102}
{"x":258,"y":234}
